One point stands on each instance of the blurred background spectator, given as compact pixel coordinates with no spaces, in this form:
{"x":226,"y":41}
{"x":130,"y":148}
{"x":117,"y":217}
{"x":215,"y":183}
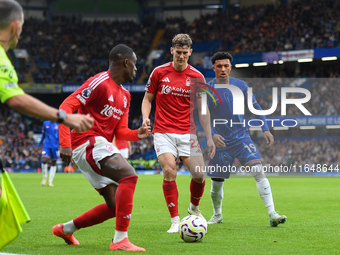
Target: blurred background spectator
{"x":68,"y":49}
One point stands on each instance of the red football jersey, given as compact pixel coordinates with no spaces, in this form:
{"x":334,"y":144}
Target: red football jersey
{"x":106,"y":102}
{"x":173,"y":92}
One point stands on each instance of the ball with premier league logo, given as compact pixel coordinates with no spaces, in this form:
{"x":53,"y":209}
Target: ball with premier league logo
{"x":193,"y":228}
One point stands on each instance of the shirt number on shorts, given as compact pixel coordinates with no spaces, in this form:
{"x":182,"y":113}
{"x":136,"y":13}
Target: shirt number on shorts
{"x":194,"y":143}
{"x":251,"y":146}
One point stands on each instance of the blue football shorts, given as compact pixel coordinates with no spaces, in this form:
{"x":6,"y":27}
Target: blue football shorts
{"x":221,"y":165}
{"x":52,"y":153}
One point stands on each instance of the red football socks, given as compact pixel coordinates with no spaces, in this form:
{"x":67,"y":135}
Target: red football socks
{"x":196,"y":191}
{"x":171,"y":197}
{"x":96,"y":215}
{"x":124,"y":201}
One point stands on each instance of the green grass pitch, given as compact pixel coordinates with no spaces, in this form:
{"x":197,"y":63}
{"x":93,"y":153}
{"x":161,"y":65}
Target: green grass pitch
{"x":311,"y":204}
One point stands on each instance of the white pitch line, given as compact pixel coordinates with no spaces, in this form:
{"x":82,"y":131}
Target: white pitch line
{"x":5,"y":253}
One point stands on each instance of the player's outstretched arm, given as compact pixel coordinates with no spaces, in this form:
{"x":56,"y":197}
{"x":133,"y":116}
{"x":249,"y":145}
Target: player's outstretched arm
{"x":146,"y":107}
{"x":123,"y":132}
{"x":205,"y":122}
{"x":31,"y":106}
{"x":269,"y":138}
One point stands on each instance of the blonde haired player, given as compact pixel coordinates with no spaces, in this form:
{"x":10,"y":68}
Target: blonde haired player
{"x":172,"y":84}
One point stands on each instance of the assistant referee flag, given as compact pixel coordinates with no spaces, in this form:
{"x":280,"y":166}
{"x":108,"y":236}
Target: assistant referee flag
{"x":12,"y":210}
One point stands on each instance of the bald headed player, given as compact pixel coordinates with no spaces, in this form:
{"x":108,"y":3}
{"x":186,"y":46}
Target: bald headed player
{"x":107,"y":101}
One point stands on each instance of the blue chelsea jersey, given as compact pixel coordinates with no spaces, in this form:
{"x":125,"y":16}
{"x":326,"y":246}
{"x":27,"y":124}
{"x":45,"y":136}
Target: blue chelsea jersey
{"x":223,"y":121}
{"x":50,"y":135}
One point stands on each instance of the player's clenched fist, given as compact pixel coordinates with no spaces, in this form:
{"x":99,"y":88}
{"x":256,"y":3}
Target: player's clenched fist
{"x":144,"y":131}
{"x":146,"y":122}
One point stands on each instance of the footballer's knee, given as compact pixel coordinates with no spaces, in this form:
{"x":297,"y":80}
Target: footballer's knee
{"x":116,"y":167}
{"x":199,"y":180}
{"x":197,"y":173}
{"x":169,"y":173}
{"x":45,"y":160}
{"x":257,"y":172}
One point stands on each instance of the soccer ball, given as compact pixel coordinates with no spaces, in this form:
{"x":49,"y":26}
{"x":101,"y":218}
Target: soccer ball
{"x":192,"y":228}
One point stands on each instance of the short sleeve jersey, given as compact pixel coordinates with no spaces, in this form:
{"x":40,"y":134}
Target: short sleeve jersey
{"x":175,"y":100}
{"x":8,"y":78}
{"x":106,"y":102}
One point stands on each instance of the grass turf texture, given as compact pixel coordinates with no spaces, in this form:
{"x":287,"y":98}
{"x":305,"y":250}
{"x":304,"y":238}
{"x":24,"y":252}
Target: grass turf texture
{"x":311,"y":205}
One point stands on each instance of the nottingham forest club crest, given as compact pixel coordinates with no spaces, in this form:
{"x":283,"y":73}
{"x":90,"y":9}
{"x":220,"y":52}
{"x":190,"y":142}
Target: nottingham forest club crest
{"x":187,"y":82}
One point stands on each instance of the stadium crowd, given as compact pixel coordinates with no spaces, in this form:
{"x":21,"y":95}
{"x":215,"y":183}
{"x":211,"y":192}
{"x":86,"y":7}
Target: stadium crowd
{"x":301,"y":152}
{"x":69,"y":49}
{"x":17,"y":146}
{"x":19,"y":150}
{"x":325,"y":94}
{"x":298,"y":151}
{"x":269,"y":27}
